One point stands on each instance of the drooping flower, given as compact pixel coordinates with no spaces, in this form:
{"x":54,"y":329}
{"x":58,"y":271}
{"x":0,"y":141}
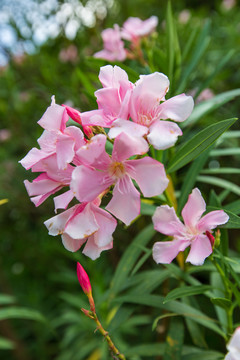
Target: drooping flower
{"x":112,"y":99}
{"x":192,"y":233}
{"x":101,"y":171}
{"x":56,"y":138}
{"x":113,"y":45}
{"x":84,"y":223}
{"x":234,"y":346}
{"x":134,"y":28}
{"x":149,"y":110}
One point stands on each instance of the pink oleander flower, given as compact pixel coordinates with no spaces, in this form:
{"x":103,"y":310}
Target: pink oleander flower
{"x":149,"y":110}
{"x":83,"y":279}
{"x":101,"y":171}
{"x":84,"y":223}
{"x":234,"y":346}
{"x":192,"y":233}
{"x":113,"y":45}
{"x":112,"y":99}
{"x":135,"y":28}
{"x":51,"y":180}
{"x":56,"y":139}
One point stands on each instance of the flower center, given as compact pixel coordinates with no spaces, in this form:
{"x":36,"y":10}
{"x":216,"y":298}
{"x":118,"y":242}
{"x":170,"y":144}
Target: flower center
{"x":117,"y":169}
{"x":146,"y":118}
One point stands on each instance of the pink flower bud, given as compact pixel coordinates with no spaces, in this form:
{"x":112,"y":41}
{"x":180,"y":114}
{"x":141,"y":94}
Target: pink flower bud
{"x":88,"y":131}
{"x":73,"y":113}
{"x":83,"y":279}
{"x":211,"y":237}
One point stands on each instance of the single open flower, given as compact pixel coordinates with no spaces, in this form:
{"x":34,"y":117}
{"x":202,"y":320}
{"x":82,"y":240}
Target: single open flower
{"x":135,"y":28}
{"x":234,"y":346}
{"x":192,"y":233}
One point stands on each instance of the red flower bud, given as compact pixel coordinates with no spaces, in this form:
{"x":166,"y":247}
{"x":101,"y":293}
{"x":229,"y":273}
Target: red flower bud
{"x":73,"y":113}
{"x":83,"y":279}
{"x":211,"y":237}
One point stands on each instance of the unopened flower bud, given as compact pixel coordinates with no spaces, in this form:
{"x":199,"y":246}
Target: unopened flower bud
{"x":83,"y":279}
{"x":217,"y":238}
{"x":88,"y":131}
{"x":87,"y":313}
{"x":211,"y":238}
{"x":73,"y":113}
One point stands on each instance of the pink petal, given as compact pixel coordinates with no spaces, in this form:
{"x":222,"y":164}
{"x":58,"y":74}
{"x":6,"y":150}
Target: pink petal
{"x":128,"y":127}
{"x":87,"y":183}
{"x":34,"y":156}
{"x":108,"y":99}
{"x":65,"y":150}
{"x":163,"y":134}
{"x":124,"y":109}
{"x":165,"y":251}
{"x":200,"y":249}
{"x":54,"y":118}
{"x":92,"y":250}
{"x":112,"y":76}
{"x":178,"y":108}
{"x":126,"y":146}
{"x":125,"y":203}
{"x":212,"y":220}
{"x":107,"y":225}
{"x":193,"y":209}
{"x":72,"y":244}
{"x":56,"y":224}
{"x":234,"y":344}
{"x":94,"y":154}
{"x":40,"y":187}
{"x":50,"y":166}
{"x":95,"y":118}
{"x":62,"y":201}
{"x":47,"y":141}
{"x":149,"y":174}
{"x":166,"y":222}
{"x":76,"y":134}
{"x":81,"y":224}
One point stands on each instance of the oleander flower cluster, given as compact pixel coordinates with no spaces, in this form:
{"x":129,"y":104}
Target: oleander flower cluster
{"x":104,"y":156}
{"x":133,"y":30}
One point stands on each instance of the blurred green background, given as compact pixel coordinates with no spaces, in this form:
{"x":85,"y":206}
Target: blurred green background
{"x":45,"y":48}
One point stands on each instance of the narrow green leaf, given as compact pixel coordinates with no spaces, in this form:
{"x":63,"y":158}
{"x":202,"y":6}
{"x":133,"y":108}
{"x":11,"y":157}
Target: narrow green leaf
{"x":208,"y":106}
{"x":200,"y":142}
{"x":174,"y":340}
{"x":161,"y":317}
{"x":6,"y":344}
{"x":208,"y":355}
{"x":21,"y":313}
{"x":221,"y":171}
{"x":6,"y":299}
{"x":85,"y":82}
{"x":225,"y":184}
{"x":231,"y":134}
{"x":191,"y":176}
{"x":186,"y":291}
{"x":175,"y":307}
{"x":225,"y":152}
{"x":129,"y":258}
{"x":145,"y":350}
{"x":233,"y":207}
{"x":222,"y":302}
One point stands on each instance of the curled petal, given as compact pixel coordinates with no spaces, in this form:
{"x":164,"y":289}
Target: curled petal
{"x":65,"y":150}
{"x":128,"y":127}
{"x":149,"y":174}
{"x":212,"y":220}
{"x":112,"y":76}
{"x":166,"y":222}
{"x":165,"y":251}
{"x":194,"y":208}
{"x":107,"y":225}
{"x":124,"y":193}
{"x":92,"y":250}
{"x":72,"y":244}
{"x":108,"y":99}
{"x":56,"y":224}
{"x":126,"y":146}
{"x":177,"y":108}
{"x":96,"y":118}
{"x":54,"y":118}
{"x":163,"y":134}
{"x":200,"y":249}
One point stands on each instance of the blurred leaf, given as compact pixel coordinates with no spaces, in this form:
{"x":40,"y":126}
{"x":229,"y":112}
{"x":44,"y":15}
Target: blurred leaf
{"x":202,"y":43}
{"x":3,"y":201}
{"x":198,"y":143}
{"x":186,"y":291}
{"x":221,"y":171}
{"x":233,"y":207}
{"x":173,"y":306}
{"x":174,"y":341}
{"x":6,"y":344}
{"x":21,"y":313}
{"x":225,"y":152}
{"x":208,"y":106}
{"x":6,"y":299}
{"x":129,"y":258}
{"x":212,"y":180}
{"x":208,"y":355}
{"x":191,"y":176}
{"x":222,"y":302}
{"x":145,"y":350}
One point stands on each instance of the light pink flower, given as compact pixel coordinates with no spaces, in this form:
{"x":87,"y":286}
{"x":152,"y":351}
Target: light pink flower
{"x":148,"y":108}
{"x":56,"y":139}
{"x":112,"y":99}
{"x":113,"y":45}
{"x":192,"y":233}
{"x":101,"y":171}
{"x":135,"y":28}
{"x":234,"y":346}
{"x":51,"y":180}
{"x":84,"y":223}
